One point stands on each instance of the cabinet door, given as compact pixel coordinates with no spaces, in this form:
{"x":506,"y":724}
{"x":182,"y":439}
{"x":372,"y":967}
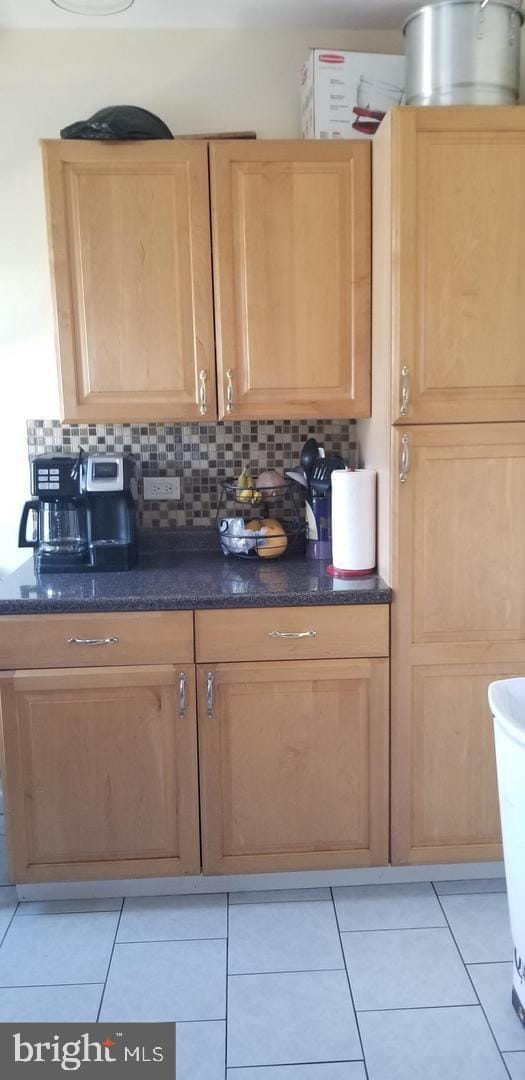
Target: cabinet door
{"x":458,"y":622}
{"x":291,"y":255}
{"x":131,"y":272}
{"x":459,"y":271}
{"x":293,"y":764}
{"x":100,"y":773}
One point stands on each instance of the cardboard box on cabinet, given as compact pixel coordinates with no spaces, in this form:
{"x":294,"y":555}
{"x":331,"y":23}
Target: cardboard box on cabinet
{"x":344,"y":95}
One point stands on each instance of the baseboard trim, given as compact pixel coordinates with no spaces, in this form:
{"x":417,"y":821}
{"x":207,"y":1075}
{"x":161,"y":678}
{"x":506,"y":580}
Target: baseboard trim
{"x":173,"y":886}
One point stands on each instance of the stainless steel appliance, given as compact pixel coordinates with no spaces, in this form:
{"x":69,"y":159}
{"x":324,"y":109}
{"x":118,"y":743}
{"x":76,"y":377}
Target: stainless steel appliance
{"x":85,"y":512}
{"x":464,"y":52}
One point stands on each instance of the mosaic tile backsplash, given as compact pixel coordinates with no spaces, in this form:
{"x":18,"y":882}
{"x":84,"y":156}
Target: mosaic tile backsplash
{"x":201,"y":454}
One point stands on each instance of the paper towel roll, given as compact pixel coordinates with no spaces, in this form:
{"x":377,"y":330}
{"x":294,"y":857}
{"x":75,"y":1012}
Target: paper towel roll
{"x":354,"y":520}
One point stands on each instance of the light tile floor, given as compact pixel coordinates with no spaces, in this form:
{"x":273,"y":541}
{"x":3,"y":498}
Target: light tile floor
{"x":378,"y":982}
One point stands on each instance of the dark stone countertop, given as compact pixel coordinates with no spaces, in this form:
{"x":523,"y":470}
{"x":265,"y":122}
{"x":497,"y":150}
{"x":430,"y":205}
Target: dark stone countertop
{"x":182,"y":570}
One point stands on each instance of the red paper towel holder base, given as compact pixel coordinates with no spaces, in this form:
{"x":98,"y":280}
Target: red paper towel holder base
{"x":334,"y":572}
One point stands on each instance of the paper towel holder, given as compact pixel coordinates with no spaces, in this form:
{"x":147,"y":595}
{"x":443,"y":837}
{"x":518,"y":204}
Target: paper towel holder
{"x":335,"y":572}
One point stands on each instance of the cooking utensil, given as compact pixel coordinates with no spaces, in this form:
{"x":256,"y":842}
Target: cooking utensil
{"x":298,"y":475}
{"x":321,"y":475}
{"x":309,"y":455}
{"x":463,"y":52}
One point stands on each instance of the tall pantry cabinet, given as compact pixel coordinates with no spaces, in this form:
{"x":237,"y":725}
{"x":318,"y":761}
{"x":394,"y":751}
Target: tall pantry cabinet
{"x":448,"y":439}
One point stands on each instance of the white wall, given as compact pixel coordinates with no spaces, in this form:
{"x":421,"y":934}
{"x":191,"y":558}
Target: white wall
{"x":195,"y":80}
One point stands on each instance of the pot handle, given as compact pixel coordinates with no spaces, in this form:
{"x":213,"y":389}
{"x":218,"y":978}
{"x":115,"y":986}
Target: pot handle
{"x":33,"y":504}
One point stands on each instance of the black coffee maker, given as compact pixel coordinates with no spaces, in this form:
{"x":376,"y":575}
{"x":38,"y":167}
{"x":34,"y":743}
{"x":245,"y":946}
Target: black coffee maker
{"x":85,"y":509}
{"x":109,"y":483}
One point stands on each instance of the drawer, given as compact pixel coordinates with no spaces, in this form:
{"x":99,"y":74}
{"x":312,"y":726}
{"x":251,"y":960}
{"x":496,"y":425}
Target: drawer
{"x":292,"y":633}
{"x":40,"y":641}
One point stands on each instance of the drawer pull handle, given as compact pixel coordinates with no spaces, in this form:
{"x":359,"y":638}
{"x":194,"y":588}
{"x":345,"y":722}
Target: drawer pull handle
{"x":292,"y":633}
{"x":182,"y":694}
{"x":93,"y":641}
{"x":209,"y":694}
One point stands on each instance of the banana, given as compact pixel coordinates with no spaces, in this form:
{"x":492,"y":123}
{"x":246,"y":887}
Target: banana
{"x":246,"y":491}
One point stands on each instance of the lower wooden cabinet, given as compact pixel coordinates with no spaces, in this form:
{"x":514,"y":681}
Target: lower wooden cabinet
{"x":105,"y":768}
{"x":101,"y":772}
{"x":293,"y":764}
{"x":444,"y":788}
{"x":458,"y":623}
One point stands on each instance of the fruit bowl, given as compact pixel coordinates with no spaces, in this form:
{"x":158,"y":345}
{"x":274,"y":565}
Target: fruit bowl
{"x":269,"y":526}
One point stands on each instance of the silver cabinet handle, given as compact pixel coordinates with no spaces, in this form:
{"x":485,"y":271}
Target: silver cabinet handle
{"x":203,"y":407}
{"x":93,"y":641}
{"x":405,"y":460}
{"x":182,"y":694}
{"x":209,"y":694}
{"x":292,"y":633}
{"x":405,"y":391}
{"x":229,"y":390}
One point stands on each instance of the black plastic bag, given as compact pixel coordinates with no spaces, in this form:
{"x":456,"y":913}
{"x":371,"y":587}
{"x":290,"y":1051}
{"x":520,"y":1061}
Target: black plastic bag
{"x":119,"y":122}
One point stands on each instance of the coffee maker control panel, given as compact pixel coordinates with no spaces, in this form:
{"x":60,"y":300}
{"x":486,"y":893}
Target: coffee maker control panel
{"x":55,"y":476}
{"x":106,"y":473}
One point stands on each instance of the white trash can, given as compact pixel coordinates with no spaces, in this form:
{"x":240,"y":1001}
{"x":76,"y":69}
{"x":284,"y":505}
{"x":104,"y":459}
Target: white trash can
{"x":507,"y":702}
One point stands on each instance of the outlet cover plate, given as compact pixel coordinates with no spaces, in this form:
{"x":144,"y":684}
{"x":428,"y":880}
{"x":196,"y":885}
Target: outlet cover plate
{"x":161,"y":487}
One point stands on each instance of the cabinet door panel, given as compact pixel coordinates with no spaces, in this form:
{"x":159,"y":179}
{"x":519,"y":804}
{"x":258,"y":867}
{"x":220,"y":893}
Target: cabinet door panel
{"x":461,"y":555}
{"x":444,"y":788}
{"x":129,"y":235}
{"x":291,"y":236}
{"x":294,"y":769}
{"x":459,"y":273}
{"x":101,"y":773}
{"x":457,"y":623}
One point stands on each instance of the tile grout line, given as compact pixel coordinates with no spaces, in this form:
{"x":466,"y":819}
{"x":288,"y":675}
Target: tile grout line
{"x":365,"y":1066}
{"x":470,"y":892}
{"x":394,"y":929}
{"x":166,"y":941}
{"x":300,"y":1064}
{"x":110,"y":960}
{"x":46,"y":986}
{"x":487,"y":963}
{"x":472,"y":984}
{"x":287,"y":971}
{"x":10,"y":923}
{"x":49,"y":914}
{"x":296,"y":900}
{"x":419,"y":1008}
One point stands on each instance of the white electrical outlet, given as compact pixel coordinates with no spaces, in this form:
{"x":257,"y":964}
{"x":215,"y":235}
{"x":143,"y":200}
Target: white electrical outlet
{"x":162,"y":487}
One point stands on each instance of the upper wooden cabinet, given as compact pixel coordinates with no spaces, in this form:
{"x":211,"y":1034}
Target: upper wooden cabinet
{"x":131,"y":268}
{"x":460,"y":536}
{"x":291,"y":256}
{"x":450,"y":230}
{"x":129,"y":232}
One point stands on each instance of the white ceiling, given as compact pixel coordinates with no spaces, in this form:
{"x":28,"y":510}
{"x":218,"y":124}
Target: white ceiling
{"x":194,"y":14}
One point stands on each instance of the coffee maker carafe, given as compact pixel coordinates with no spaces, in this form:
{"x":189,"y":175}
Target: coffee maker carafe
{"x":60,"y":538}
{"x":85,"y":511}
